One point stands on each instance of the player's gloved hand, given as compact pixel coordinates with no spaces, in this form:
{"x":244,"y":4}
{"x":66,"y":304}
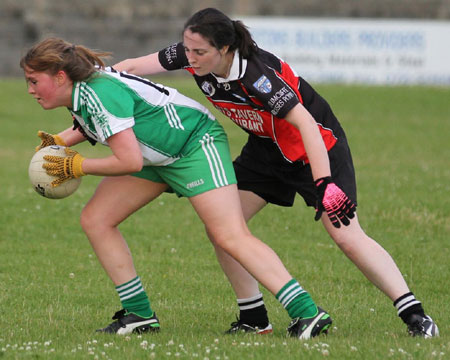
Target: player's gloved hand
{"x":332,"y":199}
{"x":49,"y":139}
{"x":64,"y":167}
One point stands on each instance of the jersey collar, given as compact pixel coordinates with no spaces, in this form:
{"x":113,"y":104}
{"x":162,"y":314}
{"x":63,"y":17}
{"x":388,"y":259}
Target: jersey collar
{"x":76,"y":96}
{"x":237,"y":69}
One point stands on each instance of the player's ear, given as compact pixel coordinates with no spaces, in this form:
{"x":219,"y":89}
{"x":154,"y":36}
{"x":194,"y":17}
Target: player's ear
{"x":61,"y":77}
{"x":224,"y":50}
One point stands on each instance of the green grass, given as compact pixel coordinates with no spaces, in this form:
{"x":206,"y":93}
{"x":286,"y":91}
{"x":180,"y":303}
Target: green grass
{"x":54,"y":293}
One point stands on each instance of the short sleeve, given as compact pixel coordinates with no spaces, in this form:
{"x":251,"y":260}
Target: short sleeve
{"x":173,"y":57}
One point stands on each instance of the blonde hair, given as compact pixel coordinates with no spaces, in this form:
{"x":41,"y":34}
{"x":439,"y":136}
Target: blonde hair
{"x":54,"y":54}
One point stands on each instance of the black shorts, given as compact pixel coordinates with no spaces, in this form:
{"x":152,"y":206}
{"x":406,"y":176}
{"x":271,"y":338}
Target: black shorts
{"x":261,"y":169}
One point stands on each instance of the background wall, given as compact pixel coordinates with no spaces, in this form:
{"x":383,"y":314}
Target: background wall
{"x":136,"y":27}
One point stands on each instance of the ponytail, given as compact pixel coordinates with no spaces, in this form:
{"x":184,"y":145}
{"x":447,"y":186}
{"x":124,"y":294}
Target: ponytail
{"x":54,"y":54}
{"x":244,"y":41}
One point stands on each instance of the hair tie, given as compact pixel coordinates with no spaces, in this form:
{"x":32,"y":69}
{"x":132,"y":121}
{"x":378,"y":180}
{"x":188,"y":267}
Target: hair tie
{"x":70,"y":49}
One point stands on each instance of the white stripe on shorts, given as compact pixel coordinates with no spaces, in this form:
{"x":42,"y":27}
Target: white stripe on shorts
{"x":214,"y":160}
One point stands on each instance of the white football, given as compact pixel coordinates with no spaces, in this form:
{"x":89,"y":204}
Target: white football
{"x":42,"y":182}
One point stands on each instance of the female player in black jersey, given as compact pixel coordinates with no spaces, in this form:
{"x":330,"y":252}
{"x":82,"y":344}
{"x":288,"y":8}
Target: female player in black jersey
{"x":295,"y":145}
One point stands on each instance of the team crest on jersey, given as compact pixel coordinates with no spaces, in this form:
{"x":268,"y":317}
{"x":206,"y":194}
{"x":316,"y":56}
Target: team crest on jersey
{"x":208,"y":88}
{"x":263,"y":85}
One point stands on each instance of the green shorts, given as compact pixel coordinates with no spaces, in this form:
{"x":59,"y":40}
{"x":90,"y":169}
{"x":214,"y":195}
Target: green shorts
{"x":207,"y":166}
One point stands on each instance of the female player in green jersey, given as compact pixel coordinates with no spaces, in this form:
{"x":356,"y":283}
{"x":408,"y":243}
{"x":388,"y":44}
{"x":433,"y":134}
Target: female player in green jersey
{"x":159,"y":139}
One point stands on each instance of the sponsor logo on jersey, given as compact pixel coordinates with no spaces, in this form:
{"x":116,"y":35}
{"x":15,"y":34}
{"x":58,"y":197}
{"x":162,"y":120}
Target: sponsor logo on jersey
{"x":208,"y":88}
{"x":171,"y":53}
{"x":263,"y":85}
{"x":194,"y":184}
{"x":279,"y":99}
{"x":246,"y":118}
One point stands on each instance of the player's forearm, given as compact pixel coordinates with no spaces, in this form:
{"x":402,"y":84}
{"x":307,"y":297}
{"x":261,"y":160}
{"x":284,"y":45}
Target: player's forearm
{"x":312,"y":141}
{"x":144,"y":65}
{"x":71,"y":137}
{"x":316,"y":151}
{"x":111,"y":166}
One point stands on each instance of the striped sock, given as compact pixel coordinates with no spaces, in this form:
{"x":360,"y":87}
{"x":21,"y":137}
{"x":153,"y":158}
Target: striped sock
{"x":253,"y":311}
{"x":134,"y":299}
{"x":296,"y":300}
{"x":407,"y":305}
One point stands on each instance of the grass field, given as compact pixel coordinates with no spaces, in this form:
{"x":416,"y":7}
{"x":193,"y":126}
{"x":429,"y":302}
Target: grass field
{"x":54,"y":294}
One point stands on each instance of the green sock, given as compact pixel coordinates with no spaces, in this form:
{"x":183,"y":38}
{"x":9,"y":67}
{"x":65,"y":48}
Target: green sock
{"x":134,"y":299}
{"x":296,"y":300}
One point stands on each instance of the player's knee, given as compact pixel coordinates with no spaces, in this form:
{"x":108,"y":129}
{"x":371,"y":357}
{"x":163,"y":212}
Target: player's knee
{"x":225,"y":241}
{"x":90,"y":220}
{"x":348,"y":242}
{"x":85,"y":220}
{"x":231,"y":241}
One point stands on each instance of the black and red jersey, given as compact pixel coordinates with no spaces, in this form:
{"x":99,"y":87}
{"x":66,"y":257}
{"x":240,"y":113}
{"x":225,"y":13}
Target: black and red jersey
{"x":258,"y":94}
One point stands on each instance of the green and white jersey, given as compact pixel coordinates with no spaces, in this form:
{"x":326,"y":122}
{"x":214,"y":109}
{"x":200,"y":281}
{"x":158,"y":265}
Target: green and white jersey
{"x":166,"y":123}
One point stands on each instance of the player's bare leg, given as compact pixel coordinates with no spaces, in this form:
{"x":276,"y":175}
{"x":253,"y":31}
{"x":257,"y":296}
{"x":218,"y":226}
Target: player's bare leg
{"x":115,"y":199}
{"x":380,"y":269}
{"x":221,"y":212}
{"x":369,"y":256}
{"x":252,"y":311}
{"x":243,"y":284}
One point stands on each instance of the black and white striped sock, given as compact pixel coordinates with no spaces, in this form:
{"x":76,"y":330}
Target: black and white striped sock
{"x":253,"y":311}
{"x":407,"y":305}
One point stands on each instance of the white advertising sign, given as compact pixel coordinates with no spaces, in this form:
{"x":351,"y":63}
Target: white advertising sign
{"x":359,"y":51}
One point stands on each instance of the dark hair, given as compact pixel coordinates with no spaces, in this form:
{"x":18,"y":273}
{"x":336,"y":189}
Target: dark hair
{"x":221,"y":31}
{"x":54,"y":54}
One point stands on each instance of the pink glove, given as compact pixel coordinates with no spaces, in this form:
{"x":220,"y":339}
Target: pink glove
{"x":332,"y":199}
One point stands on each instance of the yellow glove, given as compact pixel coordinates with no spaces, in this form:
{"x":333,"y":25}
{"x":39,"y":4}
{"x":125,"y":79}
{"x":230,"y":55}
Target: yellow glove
{"x":49,"y":139}
{"x":64,"y":167}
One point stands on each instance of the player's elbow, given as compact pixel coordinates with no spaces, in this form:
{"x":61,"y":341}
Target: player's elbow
{"x":135,"y":165}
